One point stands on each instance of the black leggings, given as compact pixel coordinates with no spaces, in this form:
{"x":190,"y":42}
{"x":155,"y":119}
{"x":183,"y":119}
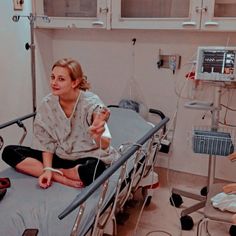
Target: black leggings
{"x":14,"y":154}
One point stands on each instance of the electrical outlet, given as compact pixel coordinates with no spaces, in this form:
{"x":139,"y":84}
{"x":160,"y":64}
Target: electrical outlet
{"x":18,"y":5}
{"x":169,"y":61}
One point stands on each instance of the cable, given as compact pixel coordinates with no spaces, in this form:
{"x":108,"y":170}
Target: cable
{"x":229,"y":108}
{"x":144,"y":203}
{"x":174,"y":122}
{"x":158,"y":231}
{"x":225,"y":124}
{"x":123,"y":147}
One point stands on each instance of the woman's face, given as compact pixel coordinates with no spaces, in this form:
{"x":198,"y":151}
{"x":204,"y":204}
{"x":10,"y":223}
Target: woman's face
{"x":61,"y":82}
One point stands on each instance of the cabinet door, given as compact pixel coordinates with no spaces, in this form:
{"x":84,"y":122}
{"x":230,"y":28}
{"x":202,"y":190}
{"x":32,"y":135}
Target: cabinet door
{"x":71,"y":13}
{"x":220,"y":15}
{"x":156,"y":14}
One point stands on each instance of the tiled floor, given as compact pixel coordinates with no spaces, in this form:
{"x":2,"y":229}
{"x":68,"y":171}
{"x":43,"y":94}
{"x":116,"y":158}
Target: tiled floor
{"x":160,"y":218}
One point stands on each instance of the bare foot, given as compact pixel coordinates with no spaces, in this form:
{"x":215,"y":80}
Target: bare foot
{"x":229,"y":188}
{"x":73,"y":183}
{"x":67,"y":181}
{"x":71,"y":173}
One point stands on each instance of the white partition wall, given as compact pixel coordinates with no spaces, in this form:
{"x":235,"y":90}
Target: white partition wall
{"x":15,"y":82}
{"x":110,"y":60}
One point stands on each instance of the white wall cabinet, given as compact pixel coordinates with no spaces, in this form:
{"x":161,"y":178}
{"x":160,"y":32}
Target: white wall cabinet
{"x":72,"y":13}
{"x":155,"y":14}
{"x":218,"y":15}
{"x":210,"y":15}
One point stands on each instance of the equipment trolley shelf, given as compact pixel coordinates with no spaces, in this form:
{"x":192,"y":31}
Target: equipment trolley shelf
{"x":207,"y":141}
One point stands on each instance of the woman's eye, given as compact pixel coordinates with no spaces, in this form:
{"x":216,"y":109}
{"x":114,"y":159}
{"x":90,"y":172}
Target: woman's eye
{"x":52,"y":77}
{"x":61,"y":79}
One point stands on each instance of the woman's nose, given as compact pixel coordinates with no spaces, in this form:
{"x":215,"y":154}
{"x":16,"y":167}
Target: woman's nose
{"x":53,"y":81}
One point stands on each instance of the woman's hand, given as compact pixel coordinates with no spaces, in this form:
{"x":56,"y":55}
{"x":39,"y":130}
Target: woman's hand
{"x":102,"y":115}
{"x":232,"y":157}
{"x":97,"y":128}
{"x":97,"y":131}
{"x":229,"y":188}
{"x":45,"y":179}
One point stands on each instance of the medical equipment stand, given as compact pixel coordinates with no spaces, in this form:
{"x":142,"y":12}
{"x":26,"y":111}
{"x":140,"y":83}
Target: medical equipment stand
{"x":175,"y":199}
{"x":31,"y":17}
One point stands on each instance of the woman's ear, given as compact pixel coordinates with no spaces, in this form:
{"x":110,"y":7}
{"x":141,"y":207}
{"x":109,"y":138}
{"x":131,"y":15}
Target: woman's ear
{"x":75,"y":83}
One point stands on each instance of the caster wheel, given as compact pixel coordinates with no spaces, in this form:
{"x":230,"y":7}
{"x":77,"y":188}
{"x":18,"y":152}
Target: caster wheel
{"x":144,"y":192}
{"x":176,"y":200}
{"x":186,"y":222}
{"x":232,"y":230}
{"x":2,"y":193}
{"x":148,"y":201}
{"x":145,"y":195}
{"x":204,"y":191}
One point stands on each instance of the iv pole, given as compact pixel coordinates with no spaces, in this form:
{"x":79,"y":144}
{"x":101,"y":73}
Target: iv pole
{"x":31,"y":46}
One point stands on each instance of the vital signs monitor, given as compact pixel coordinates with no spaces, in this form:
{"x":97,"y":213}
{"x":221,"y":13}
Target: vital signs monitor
{"x":216,"y":64}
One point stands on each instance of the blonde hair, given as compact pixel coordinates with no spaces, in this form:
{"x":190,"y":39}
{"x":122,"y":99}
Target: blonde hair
{"x":75,"y":71}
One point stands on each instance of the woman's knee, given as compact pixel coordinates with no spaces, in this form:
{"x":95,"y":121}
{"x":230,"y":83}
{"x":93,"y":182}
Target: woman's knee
{"x":92,"y":169}
{"x":9,"y":155}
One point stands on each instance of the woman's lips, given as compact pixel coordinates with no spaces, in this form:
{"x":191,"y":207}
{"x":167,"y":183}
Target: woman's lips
{"x":55,"y":89}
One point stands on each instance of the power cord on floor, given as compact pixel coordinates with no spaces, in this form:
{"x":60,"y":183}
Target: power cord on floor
{"x":140,"y":214}
{"x":158,"y":231}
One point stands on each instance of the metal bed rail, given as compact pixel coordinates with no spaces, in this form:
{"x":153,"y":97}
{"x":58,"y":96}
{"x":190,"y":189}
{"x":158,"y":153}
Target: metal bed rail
{"x":81,"y":198}
{"x":19,"y":122}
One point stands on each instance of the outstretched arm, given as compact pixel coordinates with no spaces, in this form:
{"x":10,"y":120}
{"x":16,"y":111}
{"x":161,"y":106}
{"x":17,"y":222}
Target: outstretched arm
{"x":99,"y":126}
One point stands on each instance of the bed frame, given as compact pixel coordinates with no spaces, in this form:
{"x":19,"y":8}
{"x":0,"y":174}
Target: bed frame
{"x":92,"y":210}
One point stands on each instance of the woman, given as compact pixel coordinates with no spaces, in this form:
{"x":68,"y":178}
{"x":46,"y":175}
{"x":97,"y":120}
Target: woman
{"x":71,"y":141}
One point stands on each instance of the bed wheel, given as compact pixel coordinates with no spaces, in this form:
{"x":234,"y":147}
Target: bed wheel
{"x":204,"y":191}
{"x":30,"y":232}
{"x":186,"y":222}
{"x":176,"y":200}
{"x":144,"y":192}
{"x":2,"y":193}
{"x":145,"y":195}
{"x":232,"y":230}
{"x":148,"y":201}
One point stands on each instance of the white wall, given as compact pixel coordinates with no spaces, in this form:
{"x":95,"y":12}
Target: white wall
{"x":15,"y":82}
{"x":107,"y":60}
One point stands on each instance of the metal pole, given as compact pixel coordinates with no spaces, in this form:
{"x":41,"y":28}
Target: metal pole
{"x":32,"y":48}
{"x":214,"y":127}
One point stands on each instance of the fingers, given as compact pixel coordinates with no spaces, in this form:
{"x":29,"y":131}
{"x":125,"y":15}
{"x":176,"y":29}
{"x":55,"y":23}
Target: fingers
{"x":232,"y":157}
{"x":97,"y":129}
{"x":105,"y":114}
{"x":229,"y":188}
{"x":102,"y":115}
{"x":44,"y":182}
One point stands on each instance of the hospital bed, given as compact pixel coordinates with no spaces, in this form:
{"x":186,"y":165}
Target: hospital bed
{"x":62,"y":210}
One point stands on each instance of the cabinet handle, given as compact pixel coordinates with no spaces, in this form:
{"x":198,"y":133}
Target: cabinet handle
{"x":103,"y":10}
{"x":211,"y":23}
{"x":189,"y":23}
{"x":200,"y":9}
{"x":99,"y":23}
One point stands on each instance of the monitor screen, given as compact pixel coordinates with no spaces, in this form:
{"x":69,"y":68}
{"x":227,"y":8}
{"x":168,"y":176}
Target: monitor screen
{"x":216,"y":64}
